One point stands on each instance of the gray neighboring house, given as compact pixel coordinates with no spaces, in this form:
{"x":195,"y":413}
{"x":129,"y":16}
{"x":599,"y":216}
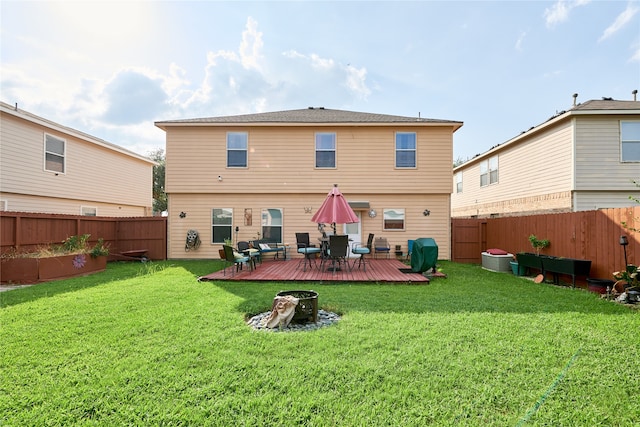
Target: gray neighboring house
{"x":585,"y":158}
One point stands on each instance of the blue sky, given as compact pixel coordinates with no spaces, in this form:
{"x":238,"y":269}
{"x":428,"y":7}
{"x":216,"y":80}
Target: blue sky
{"x":111,"y":69}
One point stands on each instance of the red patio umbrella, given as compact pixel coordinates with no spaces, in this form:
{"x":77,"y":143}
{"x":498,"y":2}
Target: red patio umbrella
{"x":335,"y":210}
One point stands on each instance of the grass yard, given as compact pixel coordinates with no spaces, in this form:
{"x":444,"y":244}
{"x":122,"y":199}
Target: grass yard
{"x":149,"y":345}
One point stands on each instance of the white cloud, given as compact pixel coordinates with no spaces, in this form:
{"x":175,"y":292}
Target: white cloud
{"x":559,"y":12}
{"x":623,"y":19}
{"x":251,"y":45}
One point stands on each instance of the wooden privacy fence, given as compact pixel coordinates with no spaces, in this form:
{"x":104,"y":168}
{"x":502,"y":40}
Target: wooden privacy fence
{"x":593,"y":235}
{"x":25,"y":232}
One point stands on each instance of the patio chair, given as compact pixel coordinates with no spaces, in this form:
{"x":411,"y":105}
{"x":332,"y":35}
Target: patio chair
{"x":235,"y":259}
{"x":358,"y":249}
{"x":337,"y":252}
{"x":307,"y":249}
{"x":409,"y":249}
{"x":381,"y":246}
{"x":246,"y":249}
{"x":269,"y":247}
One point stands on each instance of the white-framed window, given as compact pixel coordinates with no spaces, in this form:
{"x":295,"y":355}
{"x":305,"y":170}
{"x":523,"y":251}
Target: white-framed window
{"x":459,"y":182}
{"x":88,"y":211}
{"x":489,"y":171}
{"x":393,"y":219}
{"x":221,"y":224}
{"x":237,"y":148}
{"x":271,"y":223}
{"x":405,"y":149}
{"x":630,"y":141}
{"x":4,"y":205}
{"x":54,"y":153}
{"x":325,"y":150}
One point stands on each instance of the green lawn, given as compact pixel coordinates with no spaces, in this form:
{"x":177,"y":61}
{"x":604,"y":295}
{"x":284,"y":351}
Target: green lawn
{"x":149,"y":345}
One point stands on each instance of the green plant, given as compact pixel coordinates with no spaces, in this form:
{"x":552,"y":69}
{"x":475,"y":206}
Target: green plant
{"x":538,"y":244}
{"x":228,"y":242}
{"x":630,"y":275}
{"x":100,"y":249}
{"x":75,"y":243}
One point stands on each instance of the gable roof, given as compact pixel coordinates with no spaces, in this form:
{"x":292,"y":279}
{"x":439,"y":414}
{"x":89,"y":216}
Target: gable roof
{"x":310,"y":116}
{"x":606,"y":106}
{"x":25,"y":115}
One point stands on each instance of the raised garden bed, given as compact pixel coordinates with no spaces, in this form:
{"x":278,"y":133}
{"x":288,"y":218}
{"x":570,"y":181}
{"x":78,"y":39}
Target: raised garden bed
{"x":34,"y":270}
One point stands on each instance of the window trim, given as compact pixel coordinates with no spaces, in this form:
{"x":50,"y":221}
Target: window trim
{"x":489,"y":171}
{"x":84,"y":209}
{"x":334,"y":150}
{"x":414,"y":150}
{"x":245,"y":150}
{"x":628,"y":141}
{"x":459,"y":182}
{"x":47,"y":152}
{"x":281,"y":225}
{"x":387,"y":211}
{"x":213,"y":224}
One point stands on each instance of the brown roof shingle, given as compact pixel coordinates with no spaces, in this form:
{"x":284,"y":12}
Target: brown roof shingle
{"x":309,"y":115}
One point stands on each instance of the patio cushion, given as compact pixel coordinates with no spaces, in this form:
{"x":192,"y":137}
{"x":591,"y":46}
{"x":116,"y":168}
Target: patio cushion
{"x":496,"y":252}
{"x":361,"y":250}
{"x":308,"y":250}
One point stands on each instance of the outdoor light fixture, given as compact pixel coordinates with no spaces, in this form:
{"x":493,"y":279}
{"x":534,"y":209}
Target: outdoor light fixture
{"x":183,"y":214}
{"x":372,"y":213}
{"x":426,"y":212}
{"x":624,"y":242}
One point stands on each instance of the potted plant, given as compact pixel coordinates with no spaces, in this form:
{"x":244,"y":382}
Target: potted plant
{"x":538,"y":244}
{"x":628,"y":282}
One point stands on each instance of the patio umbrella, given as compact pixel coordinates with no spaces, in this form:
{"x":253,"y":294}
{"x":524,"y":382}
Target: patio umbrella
{"x":335,"y":209}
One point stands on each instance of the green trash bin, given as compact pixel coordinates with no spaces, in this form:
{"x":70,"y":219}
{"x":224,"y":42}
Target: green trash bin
{"x":424,"y":255}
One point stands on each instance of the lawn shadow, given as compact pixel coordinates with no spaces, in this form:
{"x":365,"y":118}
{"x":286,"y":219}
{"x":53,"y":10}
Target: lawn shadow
{"x":117,"y":270}
{"x":466,"y":289}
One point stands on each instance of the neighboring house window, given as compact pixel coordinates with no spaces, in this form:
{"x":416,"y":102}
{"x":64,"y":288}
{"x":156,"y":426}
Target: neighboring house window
{"x":3,"y":206}
{"x":459,"y":182}
{"x":325,"y":150}
{"x":271,"y":221}
{"x":393,"y":219}
{"x":630,"y":136}
{"x":54,"y":153}
{"x":489,"y":171}
{"x":88,"y":211}
{"x":221,"y":223}
{"x":405,"y":149}
{"x":237,"y":143}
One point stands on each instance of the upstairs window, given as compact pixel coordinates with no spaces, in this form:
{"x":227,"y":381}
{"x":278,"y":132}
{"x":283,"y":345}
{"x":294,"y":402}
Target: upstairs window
{"x":54,"y":154}
{"x":237,"y":143}
{"x":325,"y":150}
{"x":489,"y":171}
{"x":630,"y":141}
{"x":459,"y":182}
{"x":405,"y":149}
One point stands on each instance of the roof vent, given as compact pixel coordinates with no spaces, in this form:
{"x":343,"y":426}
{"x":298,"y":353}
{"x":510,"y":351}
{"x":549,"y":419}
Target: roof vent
{"x":605,"y":98}
{"x":310,"y":108}
{"x":322,"y":108}
{"x":634,"y":93}
{"x":575,"y":98}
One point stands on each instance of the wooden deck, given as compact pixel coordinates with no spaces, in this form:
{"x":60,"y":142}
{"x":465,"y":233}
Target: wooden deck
{"x":378,"y":270}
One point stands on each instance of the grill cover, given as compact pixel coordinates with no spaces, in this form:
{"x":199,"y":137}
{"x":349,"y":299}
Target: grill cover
{"x":424,"y":254}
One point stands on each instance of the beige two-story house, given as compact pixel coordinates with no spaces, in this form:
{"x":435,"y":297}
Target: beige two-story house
{"x":582,"y":159}
{"x":50,"y":168}
{"x":264,"y":175}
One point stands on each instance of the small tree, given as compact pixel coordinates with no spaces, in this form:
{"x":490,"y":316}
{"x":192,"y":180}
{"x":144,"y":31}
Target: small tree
{"x":159,"y":196}
{"x":538,"y":244}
